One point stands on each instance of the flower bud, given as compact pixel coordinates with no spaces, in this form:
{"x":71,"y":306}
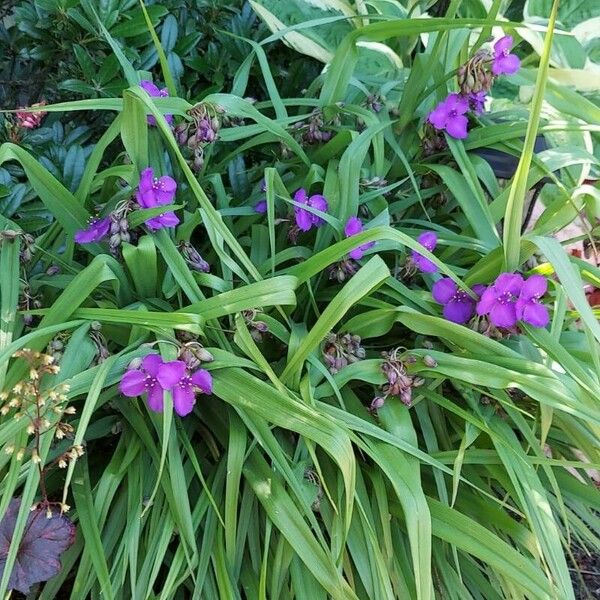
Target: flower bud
{"x":429,"y":361}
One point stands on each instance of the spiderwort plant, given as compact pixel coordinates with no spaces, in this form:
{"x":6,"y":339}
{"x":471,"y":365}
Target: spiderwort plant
{"x":154,"y":377}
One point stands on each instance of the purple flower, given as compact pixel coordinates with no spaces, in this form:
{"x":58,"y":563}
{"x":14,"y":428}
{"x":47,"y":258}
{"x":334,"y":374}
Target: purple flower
{"x":154,"y":91}
{"x":428,"y":239}
{"x":477,"y":101}
{"x":528,"y":307}
{"x":500,"y":299}
{"x":449,"y":115}
{"x":354,"y":226}
{"x":459,"y":307}
{"x":305,"y":220}
{"x":97,"y":229}
{"x":147,"y":379}
{"x":261,"y":206}
{"x":504,"y":62}
{"x":157,"y":191}
{"x":185,"y":384}
{"x":155,"y":376}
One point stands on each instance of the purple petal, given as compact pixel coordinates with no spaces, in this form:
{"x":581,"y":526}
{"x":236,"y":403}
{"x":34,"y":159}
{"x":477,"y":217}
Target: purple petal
{"x":535,"y":314}
{"x":424,"y":264}
{"x":97,"y":229}
{"x":156,"y":398}
{"x":166,"y":189}
{"x":459,"y":312}
{"x":479,"y":288}
{"x":356,"y":254}
{"x":183,"y":399}
{"x":133,"y":383}
{"x":304,"y":219}
{"x":150,"y":88}
{"x":503,"y":315}
{"x":506,"y":65}
{"x":260,"y":207}
{"x":301,"y":196}
{"x":428,"y":239}
{"x":504,"y":44}
{"x":488,"y":299}
{"x":318,"y":202}
{"x":353,"y":226}
{"x":457,"y":103}
{"x":170,"y":373}
{"x":439,"y":115}
{"x":457,"y":126}
{"x":508,"y":282}
{"x":202,"y":379}
{"x":146,"y":179}
{"x":168,"y":219}
{"x":534,"y":287}
{"x":152,"y":363}
{"x":443,"y":290}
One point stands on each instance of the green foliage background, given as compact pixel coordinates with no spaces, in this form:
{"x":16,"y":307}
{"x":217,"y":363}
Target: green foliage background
{"x":282,"y":484}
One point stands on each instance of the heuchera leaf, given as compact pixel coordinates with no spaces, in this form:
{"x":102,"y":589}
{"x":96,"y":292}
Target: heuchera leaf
{"x":44,"y":540}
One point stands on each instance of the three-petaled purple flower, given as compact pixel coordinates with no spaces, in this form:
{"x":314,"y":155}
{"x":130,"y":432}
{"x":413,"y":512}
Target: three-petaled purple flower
{"x":354,"y":226}
{"x":428,"y":239}
{"x":477,"y":101}
{"x":96,"y":230}
{"x":305,"y":220}
{"x":449,"y":115}
{"x":505,"y":63}
{"x":157,"y":191}
{"x":528,"y":307}
{"x":458,"y":305}
{"x":499,"y":300}
{"x":154,"y":377}
{"x":156,"y":92}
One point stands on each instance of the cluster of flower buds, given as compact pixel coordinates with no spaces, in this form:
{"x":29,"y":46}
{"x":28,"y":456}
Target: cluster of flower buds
{"x":399,"y":382}
{"x":119,"y":229}
{"x":192,"y":257}
{"x":474,"y":76}
{"x":341,"y":350}
{"x":55,"y":348}
{"x":192,"y":352}
{"x":202,"y":130}
{"x":97,"y":337}
{"x":375,"y":102}
{"x":342,"y":270}
{"x":28,"y":301}
{"x":31,"y":120}
{"x":314,"y":130}
{"x":27,"y":243}
{"x":44,"y":408}
{"x":257,"y":328}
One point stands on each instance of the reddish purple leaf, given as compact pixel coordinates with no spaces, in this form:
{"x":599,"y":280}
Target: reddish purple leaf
{"x":44,"y":540}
